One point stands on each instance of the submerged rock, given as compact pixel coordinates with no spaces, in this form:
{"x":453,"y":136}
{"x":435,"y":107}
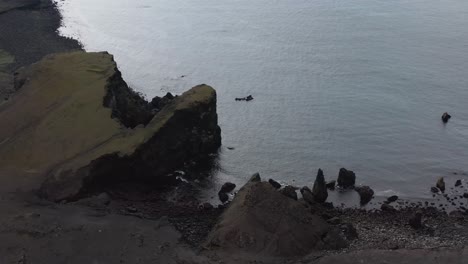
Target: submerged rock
{"x":365,"y":194}
{"x":441,"y":184}
{"x":320,"y":189}
{"x":247,"y":98}
{"x":262,"y":221}
{"x":346,"y":178}
{"x":434,"y":189}
{"x":73,"y":107}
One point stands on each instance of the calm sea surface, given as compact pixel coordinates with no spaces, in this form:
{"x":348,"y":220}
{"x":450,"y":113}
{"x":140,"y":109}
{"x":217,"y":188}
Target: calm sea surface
{"x":359,"y":84}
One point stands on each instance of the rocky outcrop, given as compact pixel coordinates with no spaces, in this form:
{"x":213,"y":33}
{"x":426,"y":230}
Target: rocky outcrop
{"x":63,"y":109}
{"x":441,"y":184}
{"x":365,"y":194}
{"x":346,"y":178}
{"x":320,"y":189}
{"x":261,"y":220}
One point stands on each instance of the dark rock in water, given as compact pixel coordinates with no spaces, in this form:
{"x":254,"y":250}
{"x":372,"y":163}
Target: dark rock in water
{"x":346,"y":178}
{"x":307,"y":195}
{"x":366,"y":194}
{"x":387,"y":207}
{"x":331,"y":185}
{"x":416,"y":220}
{"x":290,"y":192}
{"x":465,"y":195}
{"x":320,"y":189}
{"x":274,"y":183}
{"x":349,"y":231}
{"x":392,"y":198}
{"x":247,"y":98}
{"x":227,"y":187}
{"x":441,"y":184}
{"x":223,"y":197}
{"x":434,"y":189}
{"x":458,"y":183}
{"x":255,"y":177}
{"x":446,"y":117}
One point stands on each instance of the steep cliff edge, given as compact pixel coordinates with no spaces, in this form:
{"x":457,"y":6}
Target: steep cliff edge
{"x":58,"y":131}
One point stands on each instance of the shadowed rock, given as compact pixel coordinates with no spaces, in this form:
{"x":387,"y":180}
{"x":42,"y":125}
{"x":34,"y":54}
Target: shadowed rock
{"x":445,"y":117}
{"x":365,"y":194}
{"x":274,"y":183}
{"x":227,"y":187}
{"x":416,"y":220}
{"x":346,"y":178}
{"x":331,"y":185}
{"x":290,"y":192}
{"x":320,"y":189}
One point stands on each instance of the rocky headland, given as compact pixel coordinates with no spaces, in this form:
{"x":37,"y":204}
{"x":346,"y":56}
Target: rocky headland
{"x":90,"y":172}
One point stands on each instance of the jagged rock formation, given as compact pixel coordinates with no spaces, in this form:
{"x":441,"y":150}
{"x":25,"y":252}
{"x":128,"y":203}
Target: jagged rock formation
{"x":261,"y":220}
{"x":319,"y":190}
{"x":58,"y":127}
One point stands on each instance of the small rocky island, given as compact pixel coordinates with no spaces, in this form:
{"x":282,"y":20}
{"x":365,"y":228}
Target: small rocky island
{"x":90,"y":173}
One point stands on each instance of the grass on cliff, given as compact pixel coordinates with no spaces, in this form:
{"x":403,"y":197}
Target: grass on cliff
{"x":58,"y":117}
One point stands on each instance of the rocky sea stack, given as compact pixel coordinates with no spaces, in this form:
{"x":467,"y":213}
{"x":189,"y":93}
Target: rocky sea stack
{"x":75,"y":125}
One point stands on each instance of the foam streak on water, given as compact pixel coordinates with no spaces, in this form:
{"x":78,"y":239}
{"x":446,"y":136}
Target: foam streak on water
{"x":359,"y":84}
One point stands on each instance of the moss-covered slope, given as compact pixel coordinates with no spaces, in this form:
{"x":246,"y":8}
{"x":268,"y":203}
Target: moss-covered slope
{"x":57,"y":127}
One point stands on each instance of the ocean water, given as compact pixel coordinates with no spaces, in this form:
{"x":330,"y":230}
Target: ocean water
{"x":359,"y":84}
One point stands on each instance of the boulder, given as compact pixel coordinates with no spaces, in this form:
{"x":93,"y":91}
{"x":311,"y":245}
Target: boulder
{"x":307,"y":195}
{"x":290,"y":192}
{"x":365,"y":194}
{"x":97,"y":131}
{"x":392,"y":198}
{"x":262,"y":221}
{"x":255,"y":177}
{"x":458,"y":183}
{"x":416,"y":220}
{"x":441,"y":184}
{"x":227,"y":187}
{"x":274,"y":183}
{"x":320,"y":189}
{"x":346,"y":178}
{"x":223,"y":197}
{"x":465,"y":195}
{"x":445,"y":117}
{"x":331,"y":185}
{"x":434,"y":189}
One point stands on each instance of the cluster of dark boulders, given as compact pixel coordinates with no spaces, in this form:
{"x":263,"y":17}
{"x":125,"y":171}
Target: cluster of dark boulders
{"x":225,"y":189}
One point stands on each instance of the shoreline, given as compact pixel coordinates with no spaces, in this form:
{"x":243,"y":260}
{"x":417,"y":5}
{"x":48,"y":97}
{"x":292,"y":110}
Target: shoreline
{"x":187,"y":221}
